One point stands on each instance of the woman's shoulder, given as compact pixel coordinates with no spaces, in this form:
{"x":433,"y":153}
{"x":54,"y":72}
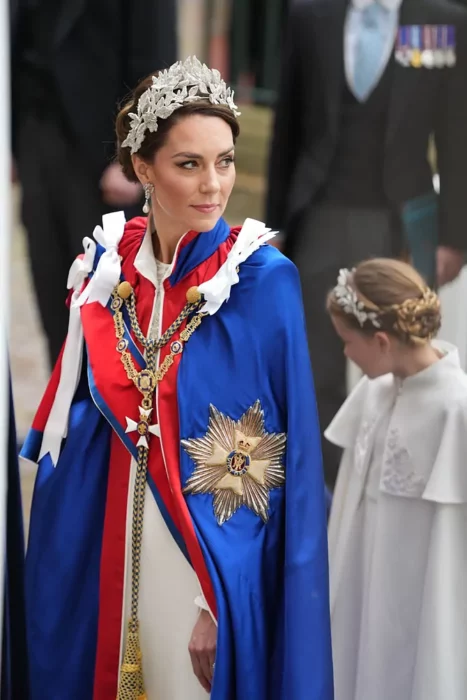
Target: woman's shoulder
{"x":270,"y":285}
{"x":133,"y":233}
{"x":257,"y":283}
{"x":268,"y":265}
{"x":135,"y":226}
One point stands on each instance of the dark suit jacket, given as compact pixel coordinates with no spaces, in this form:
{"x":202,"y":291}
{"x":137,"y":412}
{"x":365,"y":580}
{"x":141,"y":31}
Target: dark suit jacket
{"x":423,"y":102}
{"x":101,"y":49}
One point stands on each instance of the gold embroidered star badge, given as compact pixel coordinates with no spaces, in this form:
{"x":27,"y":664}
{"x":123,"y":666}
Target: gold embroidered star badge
{"x":237,"y":462}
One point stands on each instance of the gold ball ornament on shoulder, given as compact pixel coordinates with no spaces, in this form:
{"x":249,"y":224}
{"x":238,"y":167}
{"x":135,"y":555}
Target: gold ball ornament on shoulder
{"x":193,"y":295}
{"x":124,"y":290}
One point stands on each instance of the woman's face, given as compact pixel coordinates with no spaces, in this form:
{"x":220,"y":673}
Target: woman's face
{"x":193,"y":175}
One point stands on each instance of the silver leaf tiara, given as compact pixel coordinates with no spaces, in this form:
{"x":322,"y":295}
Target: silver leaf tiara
{"x":184,"y":82}
{"x":346,"y":297}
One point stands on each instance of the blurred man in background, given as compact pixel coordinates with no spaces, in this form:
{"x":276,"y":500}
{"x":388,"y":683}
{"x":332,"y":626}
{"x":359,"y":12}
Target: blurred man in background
{"x":364,"y":85}
{"x":73,"y":61}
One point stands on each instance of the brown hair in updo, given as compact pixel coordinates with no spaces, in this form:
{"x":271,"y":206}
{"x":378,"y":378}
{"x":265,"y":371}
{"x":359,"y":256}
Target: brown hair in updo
{"x":153,"y":141}
{"x":404,"y":306}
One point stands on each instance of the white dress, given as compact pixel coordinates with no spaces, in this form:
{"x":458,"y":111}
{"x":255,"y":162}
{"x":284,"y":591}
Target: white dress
{"x":168,"y":584}
{"x":398,"y":538}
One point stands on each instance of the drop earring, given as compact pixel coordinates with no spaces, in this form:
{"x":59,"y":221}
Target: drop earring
{"x":148,"y":192}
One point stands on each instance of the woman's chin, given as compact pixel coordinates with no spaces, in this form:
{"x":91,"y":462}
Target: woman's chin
{"x":204,"y":222}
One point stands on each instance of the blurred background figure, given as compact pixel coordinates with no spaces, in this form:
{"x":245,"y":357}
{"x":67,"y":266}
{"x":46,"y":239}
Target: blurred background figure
{"x":73,"y":61}
{"x":14,"y":676}
{"x":14,"y":684}
{"x":365,"y":84}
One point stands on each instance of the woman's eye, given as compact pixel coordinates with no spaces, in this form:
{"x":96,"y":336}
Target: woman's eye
{"x":188,"y":164}
{"x":192,"y":164}
{"x":225,"y":162}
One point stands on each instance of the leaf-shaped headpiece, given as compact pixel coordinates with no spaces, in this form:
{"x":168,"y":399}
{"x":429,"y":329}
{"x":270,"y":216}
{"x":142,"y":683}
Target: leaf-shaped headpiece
{"x":184,"y":82}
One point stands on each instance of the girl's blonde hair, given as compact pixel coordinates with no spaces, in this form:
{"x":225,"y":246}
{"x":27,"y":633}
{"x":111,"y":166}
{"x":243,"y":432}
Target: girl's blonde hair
{"x":386,"y":295}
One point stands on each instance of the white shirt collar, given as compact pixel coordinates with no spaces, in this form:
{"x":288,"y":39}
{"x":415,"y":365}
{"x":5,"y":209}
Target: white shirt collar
{"x":390,"y":5}
{"x":145,"y":261}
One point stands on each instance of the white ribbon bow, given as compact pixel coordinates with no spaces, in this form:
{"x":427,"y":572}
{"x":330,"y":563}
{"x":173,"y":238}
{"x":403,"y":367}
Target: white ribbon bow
{"x":81,"y":267}
{"x":57,"y":422}
{"x":108,"y":269}
{"x":216,"y":291}
{"x":99,"y":289}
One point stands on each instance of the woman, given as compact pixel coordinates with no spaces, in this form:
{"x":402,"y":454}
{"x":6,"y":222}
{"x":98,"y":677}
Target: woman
{"x":190,"y":470}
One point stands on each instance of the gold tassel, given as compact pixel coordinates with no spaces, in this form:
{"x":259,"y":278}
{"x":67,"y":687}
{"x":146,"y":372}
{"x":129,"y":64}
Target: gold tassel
{"x":131,"y":686}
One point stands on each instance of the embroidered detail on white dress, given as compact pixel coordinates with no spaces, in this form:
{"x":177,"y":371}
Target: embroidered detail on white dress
{"x":399,"y":478}
{"x":362,"y":445}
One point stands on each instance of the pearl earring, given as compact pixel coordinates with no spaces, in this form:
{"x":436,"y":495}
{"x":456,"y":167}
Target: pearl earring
{"x":148,"y":192}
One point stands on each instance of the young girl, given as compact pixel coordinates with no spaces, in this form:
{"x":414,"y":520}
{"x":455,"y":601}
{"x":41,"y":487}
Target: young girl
{"x":398,"y":528}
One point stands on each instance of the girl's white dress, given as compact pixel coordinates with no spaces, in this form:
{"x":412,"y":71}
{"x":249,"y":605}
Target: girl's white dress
{"x":398,"y":538}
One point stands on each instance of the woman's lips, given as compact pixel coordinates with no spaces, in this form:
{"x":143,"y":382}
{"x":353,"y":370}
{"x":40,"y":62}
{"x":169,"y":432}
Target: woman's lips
{"x":205,"y":208}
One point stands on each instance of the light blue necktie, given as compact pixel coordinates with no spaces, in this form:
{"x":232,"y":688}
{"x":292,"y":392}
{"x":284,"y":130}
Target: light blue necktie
{"x":375,"y":20}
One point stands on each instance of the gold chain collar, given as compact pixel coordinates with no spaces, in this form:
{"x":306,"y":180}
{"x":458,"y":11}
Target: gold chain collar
{"x":131,"y":683}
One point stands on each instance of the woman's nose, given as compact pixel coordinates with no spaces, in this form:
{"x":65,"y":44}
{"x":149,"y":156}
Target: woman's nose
{"x":210,"y":183}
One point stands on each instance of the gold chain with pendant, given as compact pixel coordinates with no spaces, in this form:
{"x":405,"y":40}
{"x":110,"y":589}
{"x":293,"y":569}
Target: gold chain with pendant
{"x":131,"y":683}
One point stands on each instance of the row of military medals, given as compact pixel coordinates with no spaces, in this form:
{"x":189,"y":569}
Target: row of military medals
{"x":131,"y":681}
{"x":429,"y":46}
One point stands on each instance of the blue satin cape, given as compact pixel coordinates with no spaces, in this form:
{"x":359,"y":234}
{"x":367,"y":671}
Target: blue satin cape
{"x":270,"y":579}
